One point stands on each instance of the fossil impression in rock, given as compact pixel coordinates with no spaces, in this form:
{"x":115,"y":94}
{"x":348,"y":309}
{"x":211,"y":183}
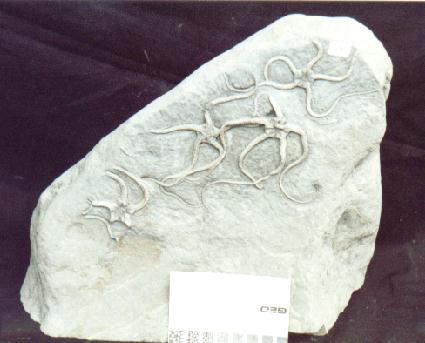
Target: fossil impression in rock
{"x":264,"y":161}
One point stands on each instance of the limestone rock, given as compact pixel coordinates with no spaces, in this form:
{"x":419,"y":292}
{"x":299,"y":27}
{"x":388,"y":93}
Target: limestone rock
{"x":264,"y":161}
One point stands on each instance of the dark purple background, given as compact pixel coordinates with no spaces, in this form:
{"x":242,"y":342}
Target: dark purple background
{"x":70,"y":72}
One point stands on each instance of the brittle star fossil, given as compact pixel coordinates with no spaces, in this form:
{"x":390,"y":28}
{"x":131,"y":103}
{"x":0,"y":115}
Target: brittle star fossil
{"x":301,"y":78}
{"x":120,"y":211}
{"x":206,"y":133}
{"x":274,"y":128}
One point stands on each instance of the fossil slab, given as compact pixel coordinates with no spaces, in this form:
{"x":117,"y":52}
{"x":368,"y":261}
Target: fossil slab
{"x":264,"y":161}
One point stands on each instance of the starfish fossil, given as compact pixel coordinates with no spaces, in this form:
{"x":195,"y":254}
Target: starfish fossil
{"x":120,"y":211}
{"x":301,"y":78}
{"x":274,"y":128}
{"x":206,"y":133}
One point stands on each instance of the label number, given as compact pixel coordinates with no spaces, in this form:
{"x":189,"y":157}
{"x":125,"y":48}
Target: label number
{"x":273,"y":309}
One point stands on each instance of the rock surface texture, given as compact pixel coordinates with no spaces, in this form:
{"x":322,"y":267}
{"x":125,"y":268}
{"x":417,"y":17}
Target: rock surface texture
{"x":264,"y":161}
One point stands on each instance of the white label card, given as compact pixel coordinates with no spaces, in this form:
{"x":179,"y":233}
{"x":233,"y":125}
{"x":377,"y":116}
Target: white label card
{"x":339,"y":48}
{"x":228,"y":308}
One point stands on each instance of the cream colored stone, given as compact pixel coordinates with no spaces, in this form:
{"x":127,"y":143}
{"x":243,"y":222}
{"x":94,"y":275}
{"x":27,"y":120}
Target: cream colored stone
{"x":264,"y":161}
